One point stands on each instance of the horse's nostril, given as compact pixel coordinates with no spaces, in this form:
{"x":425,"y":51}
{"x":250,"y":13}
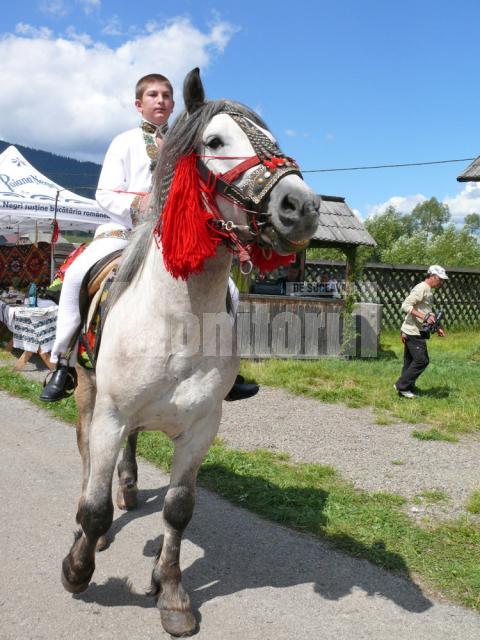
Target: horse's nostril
{"x":288,"y":203}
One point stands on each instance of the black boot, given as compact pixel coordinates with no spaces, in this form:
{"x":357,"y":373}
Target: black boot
{"x":61,"y":384}
{"x":242,"y":390}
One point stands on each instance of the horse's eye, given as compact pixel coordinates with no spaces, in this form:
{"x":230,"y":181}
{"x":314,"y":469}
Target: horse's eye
{"x":214,"y":143}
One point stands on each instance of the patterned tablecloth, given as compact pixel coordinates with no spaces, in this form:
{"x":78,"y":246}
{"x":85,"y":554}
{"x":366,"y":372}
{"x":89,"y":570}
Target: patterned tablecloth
{"x":33,"y":328}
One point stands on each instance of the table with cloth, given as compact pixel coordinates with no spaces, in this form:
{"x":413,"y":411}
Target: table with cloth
{"x":33,"y":329}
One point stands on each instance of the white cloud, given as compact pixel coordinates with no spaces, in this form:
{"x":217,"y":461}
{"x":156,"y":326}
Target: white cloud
{"x":54,"y":7}
{"x":29,"y":31}
{"x":465,"y":202}
{"x":113,"y":27}
{"x":330,"y":137}
{"x":90,"y":5}
{"x":291,"y":133}
{"x":460,"y":205}
{"x":404,"y":204}
{"x":83,"y":38}
{"x":79,"y":95}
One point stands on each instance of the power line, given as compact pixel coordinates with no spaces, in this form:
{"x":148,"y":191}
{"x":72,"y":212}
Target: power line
{"x":331,"y":170}
{"x":387,"y":166}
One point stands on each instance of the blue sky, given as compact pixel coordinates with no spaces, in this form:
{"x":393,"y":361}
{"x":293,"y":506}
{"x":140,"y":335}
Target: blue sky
{"x":341,"y":84}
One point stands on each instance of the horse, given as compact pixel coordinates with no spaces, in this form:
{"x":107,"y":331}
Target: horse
{"x":222,"y":185}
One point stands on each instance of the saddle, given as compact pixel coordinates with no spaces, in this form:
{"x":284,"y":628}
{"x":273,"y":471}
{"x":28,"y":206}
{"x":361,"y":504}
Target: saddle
{"x":92,"y":302}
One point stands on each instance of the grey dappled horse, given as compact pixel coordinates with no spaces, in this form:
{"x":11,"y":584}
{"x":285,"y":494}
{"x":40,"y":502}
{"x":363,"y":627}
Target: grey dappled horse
{"x":148,"y":377}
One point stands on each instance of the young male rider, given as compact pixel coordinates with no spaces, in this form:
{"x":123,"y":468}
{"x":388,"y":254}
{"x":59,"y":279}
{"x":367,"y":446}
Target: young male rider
{"x":418,"y":308}
{"x":126,"y":175}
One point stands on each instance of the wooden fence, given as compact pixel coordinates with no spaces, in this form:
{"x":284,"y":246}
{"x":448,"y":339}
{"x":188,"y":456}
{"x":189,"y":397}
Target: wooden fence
{"x":389,"y":284}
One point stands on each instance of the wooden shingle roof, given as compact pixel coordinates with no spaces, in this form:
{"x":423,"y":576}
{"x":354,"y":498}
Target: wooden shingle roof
{"x":471,"y":173}
{"x":338,"y":225}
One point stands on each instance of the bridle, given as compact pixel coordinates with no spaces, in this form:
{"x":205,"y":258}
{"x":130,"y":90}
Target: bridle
{"x":270,"y":165}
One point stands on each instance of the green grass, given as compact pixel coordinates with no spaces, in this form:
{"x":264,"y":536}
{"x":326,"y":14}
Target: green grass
{"x":434,"y":434}
{"x":313,"y":498}
{"x":19,"y":385}
{"x":431,"y":497}
{"x":473,"y":503}
{"x":448,"y":399}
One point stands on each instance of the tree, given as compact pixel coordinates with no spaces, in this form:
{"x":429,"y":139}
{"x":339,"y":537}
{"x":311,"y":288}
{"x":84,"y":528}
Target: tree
{"x":454,"y":248}
{"x":407,"y":250}
{"x":451,"y":248}
{"x":385,"y":228}
{"x":430,"y":216}
{"x":472,"y":223}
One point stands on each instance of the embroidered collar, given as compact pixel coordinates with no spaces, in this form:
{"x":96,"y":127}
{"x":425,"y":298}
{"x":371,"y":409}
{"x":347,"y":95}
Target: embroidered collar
{"x":153,"y":129}
{"x":150,"y":133}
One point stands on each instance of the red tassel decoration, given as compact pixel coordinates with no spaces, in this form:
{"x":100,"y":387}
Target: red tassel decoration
{"x":187,"y":240}
{"x":264,"y":265}
{"x":55,"y":232}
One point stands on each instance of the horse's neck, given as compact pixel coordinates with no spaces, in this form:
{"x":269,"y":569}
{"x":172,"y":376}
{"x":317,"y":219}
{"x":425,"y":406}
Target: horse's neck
{"x":201,"y":293}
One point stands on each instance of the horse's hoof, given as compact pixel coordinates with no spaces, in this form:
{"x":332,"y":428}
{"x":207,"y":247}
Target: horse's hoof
{"x":74,"y":584}
{"x":102,"y":544}
{"x":127,"y":498}
{"x":178,"y":623}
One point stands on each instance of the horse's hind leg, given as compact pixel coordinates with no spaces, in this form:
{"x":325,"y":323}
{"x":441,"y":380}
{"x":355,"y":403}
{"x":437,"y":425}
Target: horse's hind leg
{"x":128,"y":475}
{"x":172,"y":600}
{"x":95,"y":511}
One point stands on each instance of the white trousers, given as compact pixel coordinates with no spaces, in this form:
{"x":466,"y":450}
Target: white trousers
{"x":68,"y":319}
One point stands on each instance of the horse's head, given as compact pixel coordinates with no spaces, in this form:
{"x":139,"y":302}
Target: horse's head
{"x":255,"y":193}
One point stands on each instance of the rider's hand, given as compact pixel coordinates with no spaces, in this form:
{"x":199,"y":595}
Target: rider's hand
{"x":431,"y":318}
{"x":441,"y":333}
{"x":145,"y":203}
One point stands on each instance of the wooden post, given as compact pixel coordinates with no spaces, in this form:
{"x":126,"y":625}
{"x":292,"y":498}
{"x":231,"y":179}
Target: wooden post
{"x":301,"y":261}
{"x":351,"y":255}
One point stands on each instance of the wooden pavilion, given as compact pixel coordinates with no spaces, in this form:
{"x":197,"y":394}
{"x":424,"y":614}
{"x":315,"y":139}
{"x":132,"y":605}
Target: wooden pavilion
{"x":471,"y":173}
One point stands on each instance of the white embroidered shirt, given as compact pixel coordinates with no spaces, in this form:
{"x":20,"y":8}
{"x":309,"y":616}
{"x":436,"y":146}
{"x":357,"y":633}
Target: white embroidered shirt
{"x":126,"y":168}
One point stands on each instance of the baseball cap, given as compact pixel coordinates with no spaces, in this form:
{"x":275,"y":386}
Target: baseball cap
{"x":437,"y":270}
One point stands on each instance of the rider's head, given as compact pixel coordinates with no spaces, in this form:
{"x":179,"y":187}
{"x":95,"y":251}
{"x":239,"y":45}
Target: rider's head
{"x":154,"y":98}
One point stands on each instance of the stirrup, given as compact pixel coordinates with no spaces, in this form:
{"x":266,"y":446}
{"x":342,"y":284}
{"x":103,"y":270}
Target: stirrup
{"x":70,"y":382}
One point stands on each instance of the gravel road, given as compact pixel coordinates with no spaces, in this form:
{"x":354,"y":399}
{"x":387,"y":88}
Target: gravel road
{"x":249,"y":579}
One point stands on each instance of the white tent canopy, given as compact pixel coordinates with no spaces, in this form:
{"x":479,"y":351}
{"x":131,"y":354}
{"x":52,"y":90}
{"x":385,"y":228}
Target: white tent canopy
{"x":27,"y":200}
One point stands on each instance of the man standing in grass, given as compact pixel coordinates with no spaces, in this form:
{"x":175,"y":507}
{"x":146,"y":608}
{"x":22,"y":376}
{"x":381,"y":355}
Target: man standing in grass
{"x":418,"y":307}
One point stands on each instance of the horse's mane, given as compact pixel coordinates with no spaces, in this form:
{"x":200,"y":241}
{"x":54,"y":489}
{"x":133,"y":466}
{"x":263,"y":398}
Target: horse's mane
{"x":184,"y":136}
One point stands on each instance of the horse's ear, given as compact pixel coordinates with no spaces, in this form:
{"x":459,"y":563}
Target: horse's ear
{"x":193,"y":93}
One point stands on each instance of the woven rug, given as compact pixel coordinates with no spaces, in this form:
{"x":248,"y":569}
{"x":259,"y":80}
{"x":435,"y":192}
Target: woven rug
{"x":22,"y":264}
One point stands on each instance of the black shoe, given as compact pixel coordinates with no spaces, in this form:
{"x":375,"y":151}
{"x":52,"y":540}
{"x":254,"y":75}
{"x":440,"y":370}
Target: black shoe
{"x":241,"y":390}
{"x":60,"y":385}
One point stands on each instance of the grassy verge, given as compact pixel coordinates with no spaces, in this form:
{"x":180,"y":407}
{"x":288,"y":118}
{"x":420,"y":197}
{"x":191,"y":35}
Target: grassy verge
{"x":448,"y":398}
{"x":315,"y":499}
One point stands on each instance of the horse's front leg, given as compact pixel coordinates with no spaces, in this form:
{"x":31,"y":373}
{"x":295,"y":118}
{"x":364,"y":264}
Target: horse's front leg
{"x":128,"y":475}
{"x":172,"y":600}
{"x":95,"y":509}
{"x":85,"y":400}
